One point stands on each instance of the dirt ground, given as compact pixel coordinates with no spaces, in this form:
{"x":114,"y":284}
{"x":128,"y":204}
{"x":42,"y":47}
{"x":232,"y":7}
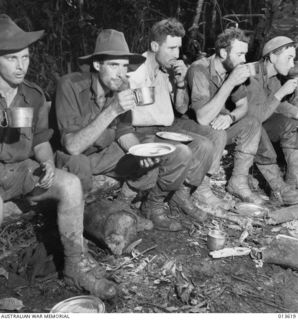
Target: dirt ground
{"x":164,"y":272}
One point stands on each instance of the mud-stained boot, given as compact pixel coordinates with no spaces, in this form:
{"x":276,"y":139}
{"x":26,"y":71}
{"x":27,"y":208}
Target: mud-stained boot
{"x":291,"y":157}
{"x":238,"y":183}
{"x":80,"y":269}
{"x":181,"y":201}
{"x":205,"y":196}
{"x":283,"y":191}
{"x":155,"y":209}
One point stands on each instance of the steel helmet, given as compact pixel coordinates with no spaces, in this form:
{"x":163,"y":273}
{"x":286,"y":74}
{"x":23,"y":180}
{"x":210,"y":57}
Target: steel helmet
{"x":276,"y":43}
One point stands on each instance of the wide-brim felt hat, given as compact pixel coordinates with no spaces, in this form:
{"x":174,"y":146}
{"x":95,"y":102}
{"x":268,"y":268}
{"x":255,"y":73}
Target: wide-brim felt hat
{"x":112,"y":43}
{"x":13,"y":38}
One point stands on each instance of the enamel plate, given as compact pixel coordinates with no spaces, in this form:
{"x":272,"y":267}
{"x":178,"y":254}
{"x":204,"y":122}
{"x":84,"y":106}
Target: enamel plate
{"x":80,"y":304}
{"x":174,"y":136}
{"x":150,"y":150}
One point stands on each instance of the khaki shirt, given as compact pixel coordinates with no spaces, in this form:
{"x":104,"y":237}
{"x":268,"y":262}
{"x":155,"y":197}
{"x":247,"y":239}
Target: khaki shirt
{"x":79,"y":99}
{"x":261,"y":100}
{"x":159,"y":113}
{"x":204,"y":82}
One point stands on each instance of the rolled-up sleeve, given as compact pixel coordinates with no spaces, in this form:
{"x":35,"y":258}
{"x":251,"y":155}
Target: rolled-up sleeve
{"x":198,"y":80}
{"x":67,"y":111}
{"x":124,"y":125}
{"x":42,"y":133}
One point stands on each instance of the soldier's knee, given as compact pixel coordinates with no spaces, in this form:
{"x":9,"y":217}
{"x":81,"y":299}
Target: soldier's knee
{"x":252,"y":123}
{"x":68,"y":185}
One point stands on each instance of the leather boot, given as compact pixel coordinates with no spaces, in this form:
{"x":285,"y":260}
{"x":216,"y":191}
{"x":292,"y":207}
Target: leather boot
{"x":181,"y":202}
{"x":155,"y":209}
{"x":205,"y":196}
{"x":80,"y":269}
{"x":283,"y":191}
{"x":291,"y":157}
{"x":238,"y":183}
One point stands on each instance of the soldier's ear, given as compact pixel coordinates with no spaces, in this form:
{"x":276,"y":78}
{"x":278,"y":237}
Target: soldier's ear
{"x":272,"y":57}
{"x":96,"y":65}
{"x":223,"y":53}
{"x":154,"y":46}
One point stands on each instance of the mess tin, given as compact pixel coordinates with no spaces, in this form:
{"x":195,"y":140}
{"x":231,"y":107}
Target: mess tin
{"x":216,"y":240}
{"x":80,"y":304}
{"x":254,"y":68}
{"x":17,"y":117}
{"x":144,"y":96}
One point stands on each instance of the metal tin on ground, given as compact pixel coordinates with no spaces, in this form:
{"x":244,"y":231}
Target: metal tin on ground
{"x":79,"y":304}
{"x":216,"y":240}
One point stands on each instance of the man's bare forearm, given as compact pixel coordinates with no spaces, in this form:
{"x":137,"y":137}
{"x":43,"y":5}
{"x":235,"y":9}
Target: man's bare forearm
{"x":77,"y":142}
{"x":181,"y":100}
{"x":211,"y":109}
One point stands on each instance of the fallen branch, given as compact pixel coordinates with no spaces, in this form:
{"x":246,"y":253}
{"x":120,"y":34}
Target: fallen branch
{"x":283,"y":215}
{"x":230,"y":216}
{"x":230,"y":252}
{"x":281,"y":251}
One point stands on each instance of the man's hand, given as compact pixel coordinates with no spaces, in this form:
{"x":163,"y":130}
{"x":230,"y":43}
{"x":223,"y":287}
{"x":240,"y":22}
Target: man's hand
{"x":180,"y":70}
{"x":149,"y":162}
{"x":288,"y":88}
{"x":221,"y":122}
{"x":239,"y":75}
{"x":126,"y":100}
{"x":48,"y":176}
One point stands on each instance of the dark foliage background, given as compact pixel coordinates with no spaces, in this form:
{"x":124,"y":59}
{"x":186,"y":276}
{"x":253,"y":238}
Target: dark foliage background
{"x":72,"y":26}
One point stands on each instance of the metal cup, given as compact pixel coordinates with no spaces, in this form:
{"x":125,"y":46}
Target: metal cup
{"x":17,"y":117}
{"x":254,"y":68}
{"x":293,"y":73}
{"x":144,"y":96}
{"x":216,"y":240}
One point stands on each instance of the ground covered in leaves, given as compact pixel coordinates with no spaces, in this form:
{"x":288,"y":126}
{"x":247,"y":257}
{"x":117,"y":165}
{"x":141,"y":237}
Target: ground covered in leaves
{"x":162,"y":272}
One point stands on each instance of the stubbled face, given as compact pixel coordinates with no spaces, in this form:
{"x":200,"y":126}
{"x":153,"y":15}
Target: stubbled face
{"x":236,"y":56}
{"x":112,"y":73}
{"x":284,"y":61}
{"x":14,"y":67}
{"x":168,"y":52}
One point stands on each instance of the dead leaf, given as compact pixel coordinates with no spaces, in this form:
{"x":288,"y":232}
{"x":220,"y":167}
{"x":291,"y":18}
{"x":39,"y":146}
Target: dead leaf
{"x":169,"y":267}
{"x":132,"y":246}
{"x":11,"y":304}
{"x":141,"y":266}
{"x":3,"y":273}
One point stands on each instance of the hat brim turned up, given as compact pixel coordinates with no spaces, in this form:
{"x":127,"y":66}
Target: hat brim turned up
{"x":133,"y":58}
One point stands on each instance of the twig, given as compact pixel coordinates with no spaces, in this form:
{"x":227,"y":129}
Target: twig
{"x":133,"y":258}
{"x":263,"y":300}
{"x":155,"y":305}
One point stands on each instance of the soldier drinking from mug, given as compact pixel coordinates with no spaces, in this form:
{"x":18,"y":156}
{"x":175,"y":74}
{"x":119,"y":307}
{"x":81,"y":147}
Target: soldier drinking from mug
{"x":93,"y":109}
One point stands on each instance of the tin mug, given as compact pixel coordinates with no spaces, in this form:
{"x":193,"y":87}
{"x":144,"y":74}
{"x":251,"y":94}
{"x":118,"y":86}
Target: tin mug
{"x":144,"y":96}
{"x":17,"y":117}
{"x":216,"y":240}
{"x":293,"y":73}
{"x":254,"y":68}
